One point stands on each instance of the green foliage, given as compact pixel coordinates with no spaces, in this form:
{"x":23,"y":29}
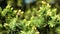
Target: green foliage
{"x":30,"y":22}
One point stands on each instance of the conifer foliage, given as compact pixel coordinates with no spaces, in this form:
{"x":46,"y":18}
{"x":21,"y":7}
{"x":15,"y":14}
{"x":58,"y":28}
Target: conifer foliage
{"x":37,"y":20}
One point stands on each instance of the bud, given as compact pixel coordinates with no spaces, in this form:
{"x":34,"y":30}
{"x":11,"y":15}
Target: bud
{"x":34,"y":28}
{"x":38,"y":32}
{"x":49,"y":13}
{"x":8,"y":6}
{"x":6,"y":24}
{"x":15,"y":11}
{"x":28,"y":23}
{"x":43,"y":2}
{"x":48,"y":5}
{"x":32,"y":17}
{"x":11,"y":8}
{"x":19,"y":10}
{"x":22,"y":12}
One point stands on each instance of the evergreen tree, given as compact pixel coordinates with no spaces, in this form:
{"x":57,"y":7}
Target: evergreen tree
{"x":41,"y":19}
